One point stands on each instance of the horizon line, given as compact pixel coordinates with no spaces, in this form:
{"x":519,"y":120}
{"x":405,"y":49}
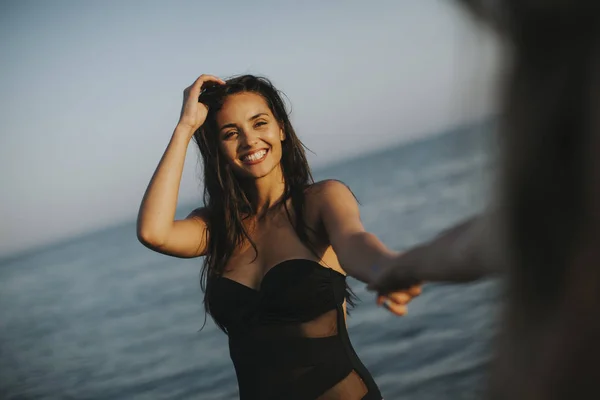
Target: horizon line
{"x":340,"y":162}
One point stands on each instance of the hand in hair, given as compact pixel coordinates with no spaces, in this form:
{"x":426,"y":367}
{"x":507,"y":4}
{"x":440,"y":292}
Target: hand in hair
{"x":193,"y":113}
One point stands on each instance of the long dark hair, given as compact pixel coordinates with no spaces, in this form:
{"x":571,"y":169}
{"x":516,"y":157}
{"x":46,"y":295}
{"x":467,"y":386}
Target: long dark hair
{"x":226,"y":202}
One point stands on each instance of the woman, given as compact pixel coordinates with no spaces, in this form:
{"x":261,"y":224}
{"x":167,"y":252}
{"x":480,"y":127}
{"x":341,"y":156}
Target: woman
{"x":277,"y":246}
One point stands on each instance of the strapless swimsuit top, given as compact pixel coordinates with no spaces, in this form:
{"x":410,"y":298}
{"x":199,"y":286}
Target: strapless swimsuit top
{"x":288,"y":339}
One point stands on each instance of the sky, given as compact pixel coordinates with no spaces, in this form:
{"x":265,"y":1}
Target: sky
{"x":91,"y":91}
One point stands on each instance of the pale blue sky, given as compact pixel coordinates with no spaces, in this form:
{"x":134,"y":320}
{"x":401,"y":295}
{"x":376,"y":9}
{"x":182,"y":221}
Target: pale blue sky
{"x":91,"y":90}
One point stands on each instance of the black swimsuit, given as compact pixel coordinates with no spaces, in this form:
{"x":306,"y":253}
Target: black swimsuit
{"x":288,"y":340}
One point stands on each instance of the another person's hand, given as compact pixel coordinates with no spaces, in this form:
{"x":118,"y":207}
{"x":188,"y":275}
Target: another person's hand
{"x":399,"y":272}
{"x":395,"y":283}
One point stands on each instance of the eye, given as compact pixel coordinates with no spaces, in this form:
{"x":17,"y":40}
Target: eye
{"x":229,"y":134}
{"x":260,"y":123}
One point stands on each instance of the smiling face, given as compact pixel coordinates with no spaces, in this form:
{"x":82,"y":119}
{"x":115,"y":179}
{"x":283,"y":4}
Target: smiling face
{"x":249,"y":135}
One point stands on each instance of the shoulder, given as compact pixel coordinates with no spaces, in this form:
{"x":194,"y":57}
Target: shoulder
{"x":328,"y":188}
{"x":198,"y":213}
{"x":331,"y":193}
{"x":329,"y":200}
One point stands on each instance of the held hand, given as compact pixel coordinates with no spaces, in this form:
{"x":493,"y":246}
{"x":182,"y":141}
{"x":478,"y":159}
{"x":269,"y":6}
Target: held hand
{"x":394,"y":283}
{"x":399,"y":273}
{"x":396,"y":302}
{"x":193,"y":113}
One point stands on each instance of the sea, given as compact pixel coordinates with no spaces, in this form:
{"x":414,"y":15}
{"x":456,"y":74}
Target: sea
{"x":102,"y":317}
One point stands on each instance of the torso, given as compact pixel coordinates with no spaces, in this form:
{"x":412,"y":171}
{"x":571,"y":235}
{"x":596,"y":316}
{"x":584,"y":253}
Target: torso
{"x":249,"y":269}
{"x":284,"y":312}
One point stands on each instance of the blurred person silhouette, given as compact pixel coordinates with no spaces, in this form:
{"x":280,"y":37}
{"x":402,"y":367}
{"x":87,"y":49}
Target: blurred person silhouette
{"x":542,"y":232}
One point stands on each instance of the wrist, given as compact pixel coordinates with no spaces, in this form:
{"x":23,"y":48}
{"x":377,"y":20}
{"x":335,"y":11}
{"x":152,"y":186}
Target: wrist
{"x":389,"y":257}
{"x":184,"y":131}
{"x":384,"y":261}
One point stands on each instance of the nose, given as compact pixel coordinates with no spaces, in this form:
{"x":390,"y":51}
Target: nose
{"x":248,"y":138}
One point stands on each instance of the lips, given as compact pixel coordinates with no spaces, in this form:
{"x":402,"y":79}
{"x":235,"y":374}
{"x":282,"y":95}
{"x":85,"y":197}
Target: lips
{"x":254,"y":157}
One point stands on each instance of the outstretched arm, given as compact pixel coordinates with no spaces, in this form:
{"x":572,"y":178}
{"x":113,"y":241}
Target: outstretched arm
{"x":462,"y":253}
{"x":357,"y":250}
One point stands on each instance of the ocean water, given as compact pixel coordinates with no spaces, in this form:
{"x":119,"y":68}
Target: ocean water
{"x":102,"y":317}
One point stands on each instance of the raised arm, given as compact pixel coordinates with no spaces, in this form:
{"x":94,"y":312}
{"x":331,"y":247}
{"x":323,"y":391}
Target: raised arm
{"x":157,"y":228}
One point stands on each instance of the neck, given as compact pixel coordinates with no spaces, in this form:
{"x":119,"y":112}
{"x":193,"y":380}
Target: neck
{"x":266,"y":191}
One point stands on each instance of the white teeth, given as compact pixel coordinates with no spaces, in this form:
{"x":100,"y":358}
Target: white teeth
{"x":255,"y":156}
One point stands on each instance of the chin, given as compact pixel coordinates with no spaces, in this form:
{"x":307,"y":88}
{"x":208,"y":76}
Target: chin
{"x":254,"y":172}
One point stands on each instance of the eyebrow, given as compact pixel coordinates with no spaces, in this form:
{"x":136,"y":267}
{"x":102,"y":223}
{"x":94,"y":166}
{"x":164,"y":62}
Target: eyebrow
{"x":232,"y":125}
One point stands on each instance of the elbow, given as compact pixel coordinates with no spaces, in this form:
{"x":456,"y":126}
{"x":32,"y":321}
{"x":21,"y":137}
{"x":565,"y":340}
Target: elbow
{"x":148,"y":237}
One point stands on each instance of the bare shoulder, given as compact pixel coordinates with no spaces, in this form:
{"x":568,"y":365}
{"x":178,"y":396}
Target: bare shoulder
{"x":328,"y":189}
{"x":198,"y":213}
{"x":330,"y":199}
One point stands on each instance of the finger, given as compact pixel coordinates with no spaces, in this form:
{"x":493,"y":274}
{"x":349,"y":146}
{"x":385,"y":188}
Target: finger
{"x":390,"y":282}
{"x":415,"y":290}
{"x":394,"y":308}
{"x":395,"y":300}
{"x":202,"y":79}
{"x":211,"y":78}
{"x":400,"y":297}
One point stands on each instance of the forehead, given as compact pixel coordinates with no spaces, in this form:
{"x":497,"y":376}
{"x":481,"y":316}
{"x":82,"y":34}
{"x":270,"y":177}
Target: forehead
{"x":242,"y":106}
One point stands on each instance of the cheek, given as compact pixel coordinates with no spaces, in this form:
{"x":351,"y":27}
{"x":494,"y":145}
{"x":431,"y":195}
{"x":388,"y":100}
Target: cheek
{"x":278,"y":150}
{"x":275,"y":138}
{"x":228,"y":151}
